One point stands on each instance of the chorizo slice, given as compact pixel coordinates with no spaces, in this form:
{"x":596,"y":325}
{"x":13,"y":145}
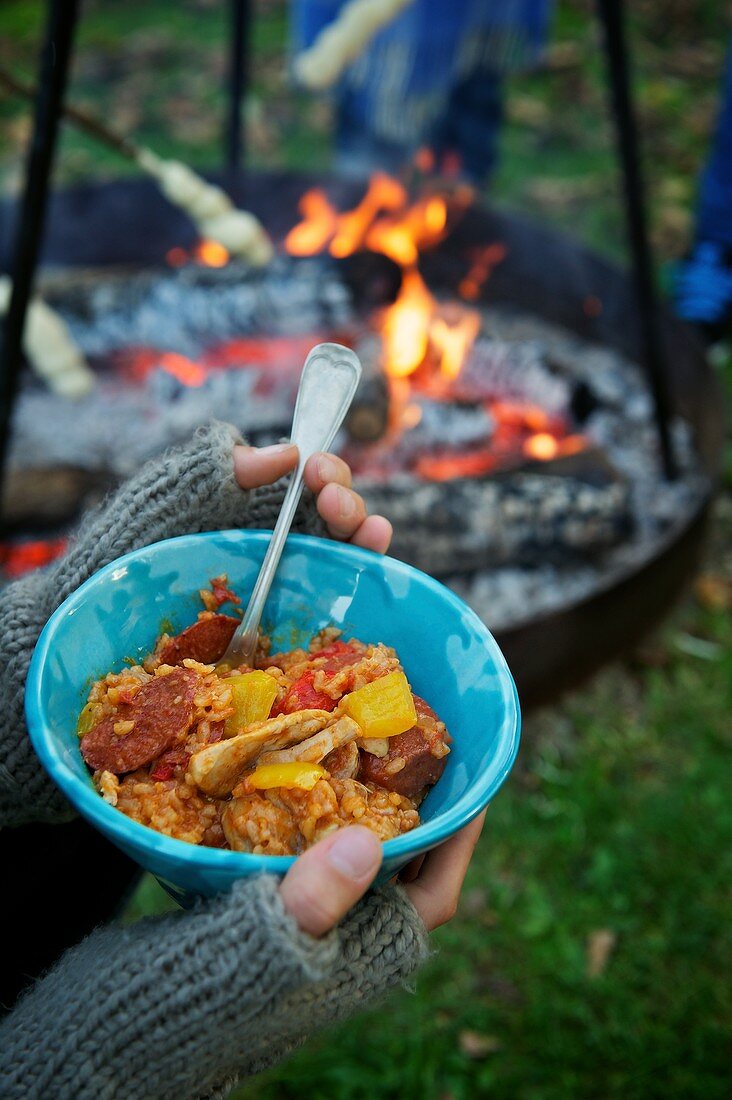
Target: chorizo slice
{"x":160,"y":713}
{"x":204,"y":641}
{"x":408,"y":768}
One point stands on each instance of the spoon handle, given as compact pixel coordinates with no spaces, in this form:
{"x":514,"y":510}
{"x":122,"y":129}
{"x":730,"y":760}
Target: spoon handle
{"x":328,"y":383}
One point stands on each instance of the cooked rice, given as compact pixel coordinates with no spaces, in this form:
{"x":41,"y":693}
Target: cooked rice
{"x":274,"y":822}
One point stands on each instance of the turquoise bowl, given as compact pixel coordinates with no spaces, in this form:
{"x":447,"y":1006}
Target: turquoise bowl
{"x":450,"y":657}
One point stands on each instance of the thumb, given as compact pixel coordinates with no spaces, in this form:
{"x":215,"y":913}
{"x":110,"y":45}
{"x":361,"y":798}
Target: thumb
{"x":329,"y":878}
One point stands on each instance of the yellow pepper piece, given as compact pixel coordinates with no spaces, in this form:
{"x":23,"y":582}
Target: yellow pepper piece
{"x":86,"y":720}
{"x":253,"y":694}
{"x":384,"y":707}
{"x":291,"y":774}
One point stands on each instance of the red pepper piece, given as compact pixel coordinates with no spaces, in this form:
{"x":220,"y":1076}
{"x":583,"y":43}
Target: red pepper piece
{"x":165,"y":766}
{"x":303,"y":696}
{"x":222,"y":593}
{"x":337,"y":649}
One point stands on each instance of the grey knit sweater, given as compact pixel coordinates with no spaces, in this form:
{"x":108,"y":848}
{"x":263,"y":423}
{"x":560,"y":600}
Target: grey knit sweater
{"x":183,"y":1005}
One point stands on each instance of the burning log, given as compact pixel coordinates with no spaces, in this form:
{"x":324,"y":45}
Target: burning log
{"x":368,"y":417}
{"x":545,"y":513}
{"x":37,"y":498}
{"x":341,"y":42}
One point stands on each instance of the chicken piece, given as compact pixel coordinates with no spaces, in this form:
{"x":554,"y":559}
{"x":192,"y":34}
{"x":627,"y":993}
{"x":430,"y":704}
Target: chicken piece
{"x":314,"y":812}
{"x":216,"y":768}
{"x":254,"y":823}
{"x":343,"y":762}
{"x":315,"y":748}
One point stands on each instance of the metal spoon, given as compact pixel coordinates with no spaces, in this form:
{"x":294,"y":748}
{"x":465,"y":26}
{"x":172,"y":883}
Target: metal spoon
{"x":327,"y":385}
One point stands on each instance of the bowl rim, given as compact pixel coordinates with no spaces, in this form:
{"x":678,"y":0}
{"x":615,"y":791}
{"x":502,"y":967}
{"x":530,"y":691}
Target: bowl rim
{"x":131,"y":834}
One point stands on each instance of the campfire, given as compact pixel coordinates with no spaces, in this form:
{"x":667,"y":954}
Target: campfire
{"x":425,"y":342}
{"x":503,"y":423}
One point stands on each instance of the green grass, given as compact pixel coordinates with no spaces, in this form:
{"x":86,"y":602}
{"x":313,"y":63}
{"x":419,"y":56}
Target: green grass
{"x":618,"y":819}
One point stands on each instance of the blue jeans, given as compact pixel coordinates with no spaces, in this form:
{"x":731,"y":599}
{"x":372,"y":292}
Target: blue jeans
{"x":469,"y":126}
{"x":430,"y":77}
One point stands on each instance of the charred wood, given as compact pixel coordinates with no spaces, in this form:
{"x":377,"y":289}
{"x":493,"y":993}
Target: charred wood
{"x":545,"y":514}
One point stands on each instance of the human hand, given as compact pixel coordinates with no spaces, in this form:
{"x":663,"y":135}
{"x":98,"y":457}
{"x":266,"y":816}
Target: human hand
{"x":329,"y":479}
{"x":433,"y":882}
{"x":329,"y":878}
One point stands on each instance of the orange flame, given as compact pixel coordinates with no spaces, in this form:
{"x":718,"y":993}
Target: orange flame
{"x":402,"y":238}
{"x":415,"y":327}
{"x":454,"y":341}
{"x":312,"y":234}
{"x":416,"y":324}
{"x":384,"y":193}
{"x":406,"y":326}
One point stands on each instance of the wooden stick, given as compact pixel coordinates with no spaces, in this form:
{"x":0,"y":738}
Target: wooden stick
{"x":207,"y":205}
{"x":79,"y":117}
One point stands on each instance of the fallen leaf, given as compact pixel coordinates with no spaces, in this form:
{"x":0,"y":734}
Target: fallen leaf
{"x":600,"y":944}
{"x":475,"y":1045}
{"x":714,"y":592}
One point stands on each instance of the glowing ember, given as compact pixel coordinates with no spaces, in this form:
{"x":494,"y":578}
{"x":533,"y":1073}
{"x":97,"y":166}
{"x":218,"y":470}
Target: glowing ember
{"x":208,"y":253}
{"x":21,"y":558}
{"x":211,"y":253}
{"x":485,"y":260}
{"x":542,"y":446}
{"x":185,"y":370}
{"x":424,"y":160}
{"x":176,"y":257}
{"x":448,"y":467}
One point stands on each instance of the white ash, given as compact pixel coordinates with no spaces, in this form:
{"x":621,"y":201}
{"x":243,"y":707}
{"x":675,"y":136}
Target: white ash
{"x":188,"y":308}
{"x":116,"y":427}
{"x":623,"y":427}
{"x":448,"y":426}
{"x":516,"y":370}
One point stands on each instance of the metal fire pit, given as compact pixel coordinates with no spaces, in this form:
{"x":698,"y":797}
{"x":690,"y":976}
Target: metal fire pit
{"x":128,"y":224}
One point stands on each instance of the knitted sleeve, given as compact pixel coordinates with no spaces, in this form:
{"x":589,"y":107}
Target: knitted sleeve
{"x":182,"y":1006}
{"x":189,"y":489}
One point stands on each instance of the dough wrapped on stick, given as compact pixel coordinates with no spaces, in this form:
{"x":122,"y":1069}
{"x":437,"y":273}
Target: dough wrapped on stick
{"x":341,"y":42}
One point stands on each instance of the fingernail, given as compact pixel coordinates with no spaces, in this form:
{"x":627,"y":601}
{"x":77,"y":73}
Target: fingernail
{"x":327,"y":470}
{"x":346,"y":503}
{"x":275,"y":448}
{"x":355,"y":852}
